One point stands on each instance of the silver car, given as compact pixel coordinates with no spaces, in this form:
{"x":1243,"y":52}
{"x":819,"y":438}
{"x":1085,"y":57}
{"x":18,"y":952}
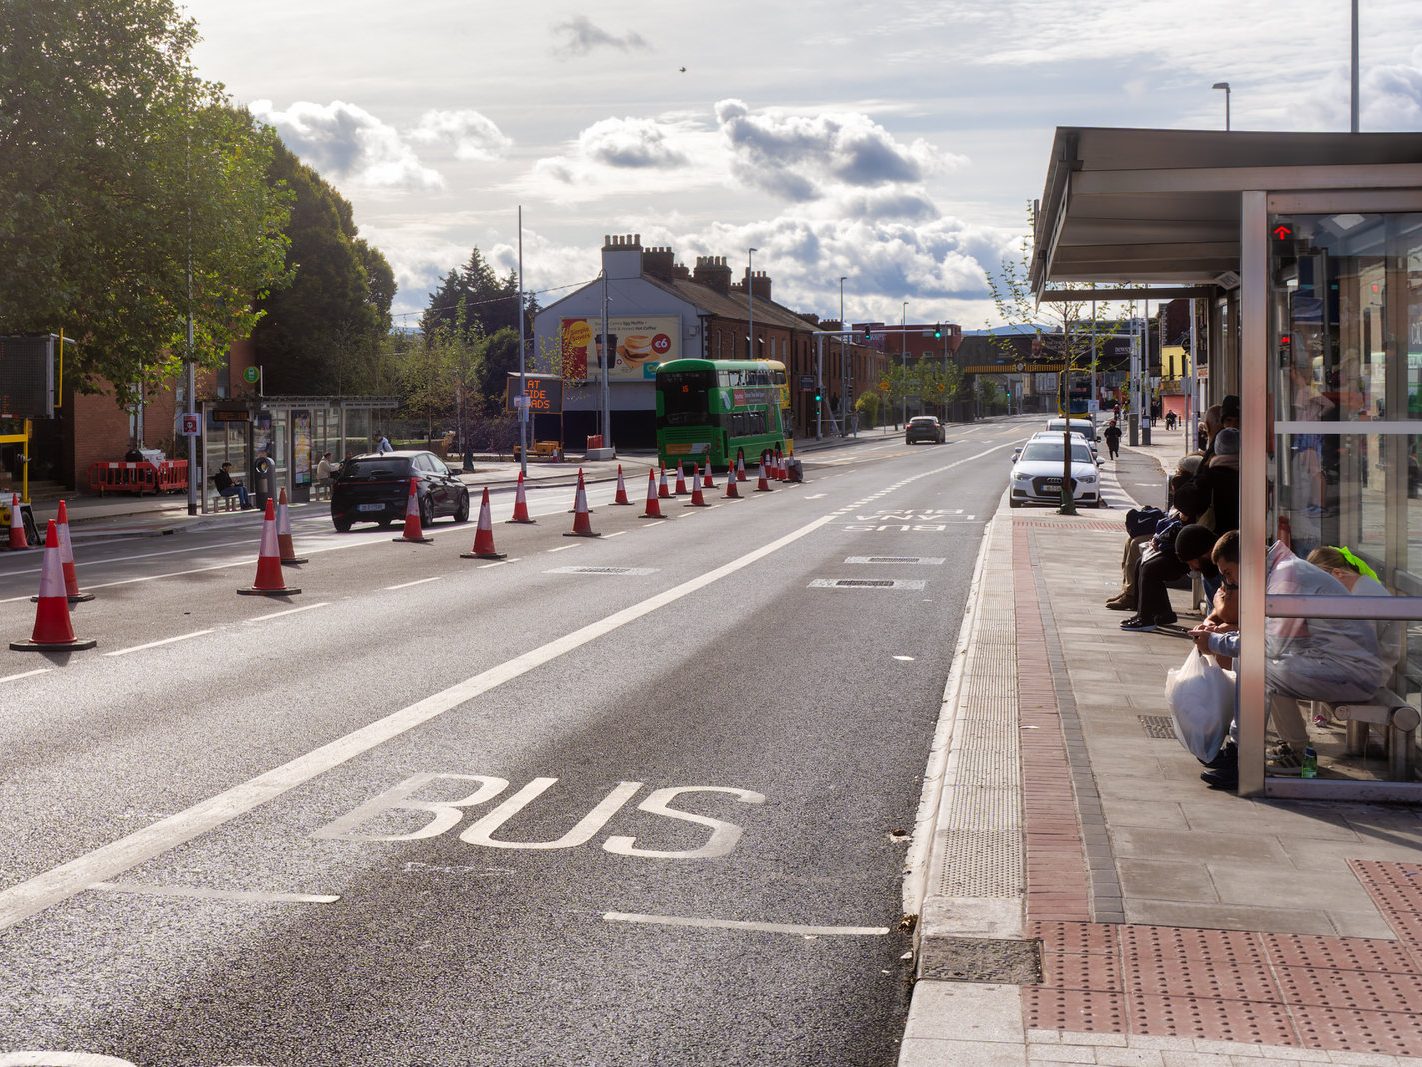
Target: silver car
{"x":1037,"y":475}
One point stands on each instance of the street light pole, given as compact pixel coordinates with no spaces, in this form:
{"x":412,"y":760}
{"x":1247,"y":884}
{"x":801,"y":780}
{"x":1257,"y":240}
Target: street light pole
{"x":903,"y":361}
{"x":843,"y":366}
{"x":523,"y":412}
{"x":1353,"y":109}
{"x":1225,"y":87}
{"x":750,"y":304}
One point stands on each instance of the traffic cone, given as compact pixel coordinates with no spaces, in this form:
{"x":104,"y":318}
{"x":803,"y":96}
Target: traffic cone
{"x":680,"y":480}
{"x":484,"y":536}
{"x":413,"y":533}
{"x":520,"y":512}
{"x":707,"y":481}
{"x":582,"y":525}
{"x":53,"y":631}
{"x":621,"y":497}
{"x":740,"y":467}
{"x":762,"y":484}
{"x":777,"y":468}
{"x":732,"y":493}
{"x":574,"y":507}
{"x":66,"y":556}
{"x":270,"y":581}
{"x":288,"y":551}
{"x":697,"y":500}
{"x":654,"y":507}
{"x":662,"y":491}
{"x":17,"y":524}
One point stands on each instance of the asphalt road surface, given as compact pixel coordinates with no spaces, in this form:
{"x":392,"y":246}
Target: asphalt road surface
{"x":441,"y":811}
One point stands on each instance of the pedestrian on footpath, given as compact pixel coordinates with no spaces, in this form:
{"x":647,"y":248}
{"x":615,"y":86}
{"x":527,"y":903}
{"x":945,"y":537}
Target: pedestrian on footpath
{"x":1112,"y":433}
{"x":382,"y":444}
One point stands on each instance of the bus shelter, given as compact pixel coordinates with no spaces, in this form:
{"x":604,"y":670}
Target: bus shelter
{"x":284,"y":434}
{"x":1307,"y":249}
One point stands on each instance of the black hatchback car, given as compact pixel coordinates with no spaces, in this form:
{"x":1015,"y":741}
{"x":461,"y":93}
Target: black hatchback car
{"x":376,"y":488}
{"x":924,"y":428}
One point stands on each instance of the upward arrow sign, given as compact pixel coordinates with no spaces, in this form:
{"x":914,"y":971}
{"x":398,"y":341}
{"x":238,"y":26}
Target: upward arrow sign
{"x":1280,"y":232}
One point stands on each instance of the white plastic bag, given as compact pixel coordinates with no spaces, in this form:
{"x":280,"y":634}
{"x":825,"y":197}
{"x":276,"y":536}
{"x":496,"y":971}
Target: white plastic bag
{"x":1201,"y":698}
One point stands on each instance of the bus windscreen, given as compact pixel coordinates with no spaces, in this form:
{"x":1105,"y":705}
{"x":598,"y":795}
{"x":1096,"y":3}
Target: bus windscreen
{"x":684,"y":397}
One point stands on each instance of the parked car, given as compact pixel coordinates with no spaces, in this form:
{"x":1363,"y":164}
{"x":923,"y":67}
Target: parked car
{"x":925,"y":428}
{"x":1036,"y":476}
{"x":1056,"y":436}
{"x":375,"y":487}
{"x":1085,"y":427}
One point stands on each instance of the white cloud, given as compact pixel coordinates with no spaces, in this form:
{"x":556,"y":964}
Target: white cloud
{"x":632,"y":143}
{"x":630,"y":156}
{"x":470,"y":135}
{"x":348,"y":144}
{"x":580,"y":36}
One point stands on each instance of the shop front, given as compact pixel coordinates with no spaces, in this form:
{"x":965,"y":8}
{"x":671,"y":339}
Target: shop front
{"x":1307,"y":249}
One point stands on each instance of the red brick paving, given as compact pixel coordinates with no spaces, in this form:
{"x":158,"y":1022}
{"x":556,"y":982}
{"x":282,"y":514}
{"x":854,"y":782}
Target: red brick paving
{"x":1336,"y":993}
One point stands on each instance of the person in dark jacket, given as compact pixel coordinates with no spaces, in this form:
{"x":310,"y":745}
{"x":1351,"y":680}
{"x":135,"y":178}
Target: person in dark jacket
{"x":225,"y":486}
{"x":1218,"y":477}
{"x":1112,"y":433}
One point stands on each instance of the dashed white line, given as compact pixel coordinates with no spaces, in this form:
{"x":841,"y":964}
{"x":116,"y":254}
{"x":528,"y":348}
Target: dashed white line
{"x":200,"y":893}
{"x":500,"y":563}
{"x":619,"y":533}
{"x":155,"y":644}
{"x":418,"y":581}
{"x":290,"y":611}
{"x":561,"y":548}
{"x":25,"y":674}
{"x":736,"y":924}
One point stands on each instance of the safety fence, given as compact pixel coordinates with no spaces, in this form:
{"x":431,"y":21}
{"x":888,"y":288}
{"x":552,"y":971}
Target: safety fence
{"x":168,"y":476}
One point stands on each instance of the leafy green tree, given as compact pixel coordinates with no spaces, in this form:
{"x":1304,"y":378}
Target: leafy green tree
{"x":322,"y":333}
{"x":131,"y":193}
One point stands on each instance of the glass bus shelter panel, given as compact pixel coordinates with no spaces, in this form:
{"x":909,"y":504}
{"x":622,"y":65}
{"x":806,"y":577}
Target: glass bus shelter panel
{"x":1346,"y":441}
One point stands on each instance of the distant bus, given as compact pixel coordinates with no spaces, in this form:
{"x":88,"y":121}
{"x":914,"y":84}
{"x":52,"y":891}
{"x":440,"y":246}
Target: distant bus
{"x":717,"y":408}
{"x":787,"y":420}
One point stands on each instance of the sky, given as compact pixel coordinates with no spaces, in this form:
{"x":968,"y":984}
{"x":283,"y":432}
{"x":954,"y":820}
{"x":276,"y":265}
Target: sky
{"x":898,"y":145}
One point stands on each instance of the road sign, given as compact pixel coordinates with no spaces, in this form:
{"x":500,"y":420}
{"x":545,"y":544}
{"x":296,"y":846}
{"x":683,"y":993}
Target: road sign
{"x":884,"y":384}
{"x":229,"y":415}
{"x":191,"y":425}
{"x":807,"y":381}
{"x":250,"y":375}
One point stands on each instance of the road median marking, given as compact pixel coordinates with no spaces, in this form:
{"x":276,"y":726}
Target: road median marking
{"x":751,"y":927}
{"x":156,"y":644}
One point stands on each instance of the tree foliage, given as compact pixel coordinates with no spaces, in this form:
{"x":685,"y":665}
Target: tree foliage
{"x":124,"y":177}
{"x":322,"y":334}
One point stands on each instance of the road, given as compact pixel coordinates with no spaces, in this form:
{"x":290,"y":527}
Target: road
{"x":441,"y":811}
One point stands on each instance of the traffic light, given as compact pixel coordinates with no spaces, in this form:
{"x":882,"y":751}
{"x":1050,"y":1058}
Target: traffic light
{"x":868,"y":334}
{"x":938,"y":332}
{"x":817,"y":396}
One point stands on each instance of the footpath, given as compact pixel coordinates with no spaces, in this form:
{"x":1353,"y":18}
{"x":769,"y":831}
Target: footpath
{"x":1084,"y":898}
{"x":128,"y":515}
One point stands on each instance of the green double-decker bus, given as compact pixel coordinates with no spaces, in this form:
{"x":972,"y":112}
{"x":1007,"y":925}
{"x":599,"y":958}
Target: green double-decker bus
{"x":718,"y":408}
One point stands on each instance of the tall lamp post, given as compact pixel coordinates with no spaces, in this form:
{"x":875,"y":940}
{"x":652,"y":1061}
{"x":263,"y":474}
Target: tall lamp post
{"x":903,"y":361}
{"x":750,"y":304}
{"x":1225,"y":87}
{"x":843,"y":366}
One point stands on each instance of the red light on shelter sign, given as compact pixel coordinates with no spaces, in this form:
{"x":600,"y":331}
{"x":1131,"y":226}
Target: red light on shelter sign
{"x":1282,"y":232}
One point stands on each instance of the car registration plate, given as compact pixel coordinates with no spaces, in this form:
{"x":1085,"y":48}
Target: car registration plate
{"x":1051,"y":483}
{"x":370,"y":507}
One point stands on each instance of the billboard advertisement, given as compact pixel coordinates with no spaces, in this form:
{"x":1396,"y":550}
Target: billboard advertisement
{"x":644,"y":342}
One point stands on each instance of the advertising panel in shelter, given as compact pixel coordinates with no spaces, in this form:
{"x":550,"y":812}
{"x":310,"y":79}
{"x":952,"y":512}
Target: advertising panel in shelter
{"x":643,"y":342}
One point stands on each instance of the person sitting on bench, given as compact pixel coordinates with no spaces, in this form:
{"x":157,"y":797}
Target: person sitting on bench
{"x":222,"y":480}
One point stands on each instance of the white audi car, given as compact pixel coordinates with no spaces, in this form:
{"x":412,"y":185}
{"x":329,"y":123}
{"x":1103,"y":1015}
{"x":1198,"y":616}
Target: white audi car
{"x":1037,"y":474}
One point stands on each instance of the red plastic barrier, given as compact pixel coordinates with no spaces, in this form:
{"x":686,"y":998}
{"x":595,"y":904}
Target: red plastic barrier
{"x":168,"y":476}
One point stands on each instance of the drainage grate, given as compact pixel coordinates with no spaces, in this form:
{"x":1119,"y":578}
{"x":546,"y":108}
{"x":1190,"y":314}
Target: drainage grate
{"x":603,"y":570}
{"x":1157,"y":726}
{"x":895,"y":559}
{"x":865,"y":583}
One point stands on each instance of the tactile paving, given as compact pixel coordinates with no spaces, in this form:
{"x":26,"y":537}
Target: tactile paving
{"x":1075,"y":937}
{"x":1396,"y":889}
{"x":1084,"y":524}
{"x":1358,"y":990}
{"x":1045,"y":1008}
{"x":1140,"y":945}
{"x":1346,"y":1029}
{"x":1339,"y":953}
{"x":1082,"y":970}
{"x":1216,"y":979}
{"x":1215,"y":1020}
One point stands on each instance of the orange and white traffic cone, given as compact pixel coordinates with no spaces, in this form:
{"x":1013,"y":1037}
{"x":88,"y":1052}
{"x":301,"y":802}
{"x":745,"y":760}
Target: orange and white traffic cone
{"x":707,"y":482}
{"x":17,"y":525}
{"x":520,"y":512}
{"x":621,"y":497}
{"x":680,"y":480}
{"x":662,"y":491}
{"x":413,"y":531}
{"x":777,"y":467}
{"x":654,"y":507}
{"x":741,"y":468}
{"x":288,"y":550}
{"x":732,"y":493}
{"x":582,"y":525}
{"x":53,"y":631}
{"x":66,"y":556}
{"x":697,"y":500}
{"x":484,"y":535}
{"x":762,"y":484}
{"x":270,"y":581}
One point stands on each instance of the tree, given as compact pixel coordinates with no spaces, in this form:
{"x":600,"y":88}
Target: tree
{"x":132,"y":193}
{"x":321,"y":334}
{"x":474,"y":295}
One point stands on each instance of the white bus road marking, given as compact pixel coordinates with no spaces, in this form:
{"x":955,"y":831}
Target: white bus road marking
{"x":25,"y":674}
{"x":754,"y":927}
{"x":619,"y":533}
{"x":200,"y":893}
{"x":563,"y":548}
{"x":500,"y":563}
{"x":19,"y":901}
{"x":649,"y":525}
{"x":290,"y":611}
{"x":815,"y":496}
{"x":417,"y":581}
{"x":155,"y":644}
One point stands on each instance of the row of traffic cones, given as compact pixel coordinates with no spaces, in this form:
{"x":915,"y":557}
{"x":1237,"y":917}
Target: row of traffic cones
{"x":59,"y":587}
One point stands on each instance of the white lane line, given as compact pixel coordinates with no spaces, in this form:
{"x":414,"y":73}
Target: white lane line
{"x":35,"y":894}
{"x":200,"y":893}
{"x":815,"y":496}
{"x":500,"y":563}
{"x":649,"y":525}
{"x":619,"y":533}
{"x":155,"y":644}
{"x":564,"y":548}
{"x":736,"y":924}
{"x":145,"y":555}
{"x":417,"y":581}
{"x":25,"y":674}
{"x":290,"y":611}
